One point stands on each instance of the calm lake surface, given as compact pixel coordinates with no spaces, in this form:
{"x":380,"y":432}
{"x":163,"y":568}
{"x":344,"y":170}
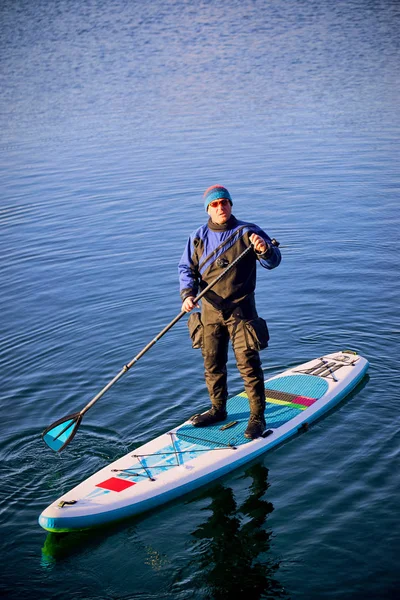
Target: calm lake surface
{"x":115,"y":116}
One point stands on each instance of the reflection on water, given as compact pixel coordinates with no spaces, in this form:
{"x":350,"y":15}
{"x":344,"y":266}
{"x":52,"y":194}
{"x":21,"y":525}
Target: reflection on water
{"x":59,"y":546}
{"x":232,"y":547}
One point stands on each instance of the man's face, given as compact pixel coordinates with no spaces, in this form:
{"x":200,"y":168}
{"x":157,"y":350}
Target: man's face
{"x":220,"y":210}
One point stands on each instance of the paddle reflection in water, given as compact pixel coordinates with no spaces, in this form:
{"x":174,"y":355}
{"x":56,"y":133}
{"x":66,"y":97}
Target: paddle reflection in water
{"x":232,"y":548}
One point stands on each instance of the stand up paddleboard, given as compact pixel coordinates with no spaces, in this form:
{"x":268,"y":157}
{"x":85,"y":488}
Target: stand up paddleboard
{"x":187,"y":457}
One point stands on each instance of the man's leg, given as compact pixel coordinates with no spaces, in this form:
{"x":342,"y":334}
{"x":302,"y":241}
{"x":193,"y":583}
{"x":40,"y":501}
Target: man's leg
{"x":249,"y":366}
{"x":215,"y":355}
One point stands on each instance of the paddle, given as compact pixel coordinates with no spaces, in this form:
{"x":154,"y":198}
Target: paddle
{"x":58,"y":435}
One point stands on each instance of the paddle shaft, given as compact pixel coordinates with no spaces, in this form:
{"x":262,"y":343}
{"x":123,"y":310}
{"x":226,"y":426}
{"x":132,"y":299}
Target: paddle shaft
{"x":162,"y":333}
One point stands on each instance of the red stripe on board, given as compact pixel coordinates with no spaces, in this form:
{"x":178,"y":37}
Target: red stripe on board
{"x":304,"y":401}
{"x":115,"y":485}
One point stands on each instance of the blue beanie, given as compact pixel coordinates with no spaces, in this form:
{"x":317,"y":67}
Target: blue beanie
{"x":215,"y":192}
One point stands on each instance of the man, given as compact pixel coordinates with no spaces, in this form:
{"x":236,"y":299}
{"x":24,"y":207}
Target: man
{"x":228,"y":310}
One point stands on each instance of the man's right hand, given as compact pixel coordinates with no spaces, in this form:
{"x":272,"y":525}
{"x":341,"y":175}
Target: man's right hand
{"x":188,"y":304}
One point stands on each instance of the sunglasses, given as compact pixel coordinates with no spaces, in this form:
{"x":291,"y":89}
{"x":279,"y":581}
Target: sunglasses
{"x":222,"y":202}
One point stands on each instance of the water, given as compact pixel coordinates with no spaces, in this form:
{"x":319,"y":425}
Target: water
{"x":114,"y":118}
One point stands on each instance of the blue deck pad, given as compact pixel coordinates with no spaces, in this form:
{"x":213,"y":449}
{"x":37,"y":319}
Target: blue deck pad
{"x":238,"y":410}
{"x":309,"y":386}
{"x":276,"y":416}
{"x":212,"y":436}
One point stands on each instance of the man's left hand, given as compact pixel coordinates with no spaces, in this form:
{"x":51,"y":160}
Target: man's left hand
{"x":259,"y":244}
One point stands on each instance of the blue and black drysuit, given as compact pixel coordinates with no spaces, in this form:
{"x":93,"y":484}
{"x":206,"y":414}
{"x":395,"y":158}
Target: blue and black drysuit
{"x":228,"y":310}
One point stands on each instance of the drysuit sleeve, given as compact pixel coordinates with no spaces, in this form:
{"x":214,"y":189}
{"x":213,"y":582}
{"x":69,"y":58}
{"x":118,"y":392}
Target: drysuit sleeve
{"x":272,"y":257}
{"x":188,"y":271}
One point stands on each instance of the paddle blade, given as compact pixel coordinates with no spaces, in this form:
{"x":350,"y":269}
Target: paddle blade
{"x":61,"y":433}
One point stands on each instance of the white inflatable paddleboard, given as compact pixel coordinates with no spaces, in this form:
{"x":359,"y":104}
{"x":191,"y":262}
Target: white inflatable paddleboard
{"x":187,"y":457}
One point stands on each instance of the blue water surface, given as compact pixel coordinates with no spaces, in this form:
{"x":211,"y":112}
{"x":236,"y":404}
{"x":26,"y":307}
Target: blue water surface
{"x":115,"y":116}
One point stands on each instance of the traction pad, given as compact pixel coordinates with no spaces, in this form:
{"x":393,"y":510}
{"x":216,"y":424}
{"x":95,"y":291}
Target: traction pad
{"x":286,"y":397}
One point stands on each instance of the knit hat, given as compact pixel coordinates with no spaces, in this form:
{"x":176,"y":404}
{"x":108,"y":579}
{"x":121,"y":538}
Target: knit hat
{"x":215,"y":192}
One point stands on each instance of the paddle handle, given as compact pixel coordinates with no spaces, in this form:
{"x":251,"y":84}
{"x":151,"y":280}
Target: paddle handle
{"x":162,"y":333}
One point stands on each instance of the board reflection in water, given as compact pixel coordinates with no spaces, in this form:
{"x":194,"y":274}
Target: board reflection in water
{"x":232,"y":554}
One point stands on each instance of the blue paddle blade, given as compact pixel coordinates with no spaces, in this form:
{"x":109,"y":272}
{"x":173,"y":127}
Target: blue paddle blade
{"x":60,"y":433}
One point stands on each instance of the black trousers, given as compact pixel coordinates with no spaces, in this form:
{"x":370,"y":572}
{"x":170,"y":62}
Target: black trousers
{"x":219,"y":328}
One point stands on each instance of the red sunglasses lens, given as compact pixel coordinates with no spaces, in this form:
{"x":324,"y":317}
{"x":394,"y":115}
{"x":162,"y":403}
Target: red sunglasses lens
{"x":216,"y":203}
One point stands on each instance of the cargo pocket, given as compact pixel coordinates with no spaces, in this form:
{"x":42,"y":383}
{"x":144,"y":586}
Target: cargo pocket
{"x":256,"y":334}
{"x":195,"y":330}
